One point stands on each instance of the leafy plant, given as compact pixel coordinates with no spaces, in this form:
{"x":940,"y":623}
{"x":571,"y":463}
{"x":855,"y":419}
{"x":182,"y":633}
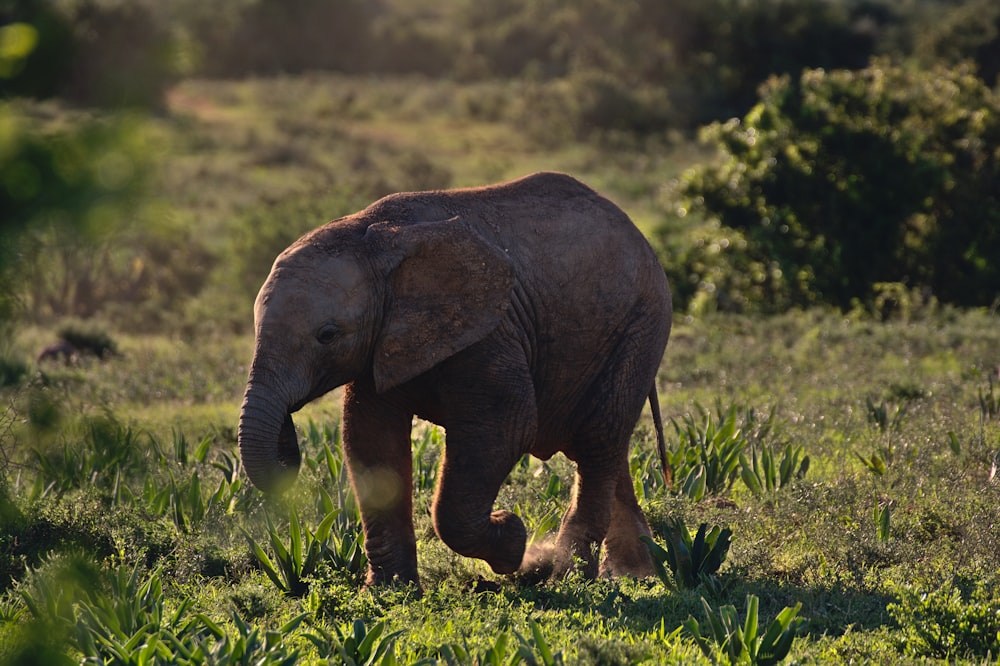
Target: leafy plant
{"x":827,"y":148}
{"x":881,"y":519}
{"x":887,"y":421}
{"x":326,"y":440}
{"x":129,"y":624}
{"x":227,"y":495}
{"x":12,"y":370}
{"x":292,"y":565}
{"x":540,"y":519}
{"x":761,"y":474}
{"x":426,"y":451}
{"x":706,"y":457}
{"x":108,"y":448}
{"x":536,"y":650}
{"x":249,"y":645}
{"x":958,"y":618}
{"x":743,"y":644}
{"x":989,"y":402}
{"x":180,"y":449}
{"x":691,"y":560}
{"x":498,"y":654}
{"x":356,"y":644}
{"x":647,"y":474}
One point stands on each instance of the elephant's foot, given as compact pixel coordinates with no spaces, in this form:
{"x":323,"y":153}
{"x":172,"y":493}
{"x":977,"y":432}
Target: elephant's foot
{"x":549,"y":560}
{"x":382,"y":578}
{"x":624,"y":552}
{"x":508,"y":537}
{"x":390,"y":562}
{"x":540,"y":563}
{"x":627,"y":560}
{"x":500,"y":542}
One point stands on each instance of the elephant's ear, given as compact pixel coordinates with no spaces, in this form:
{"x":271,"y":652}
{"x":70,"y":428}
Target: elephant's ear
{"x":448,"y":288}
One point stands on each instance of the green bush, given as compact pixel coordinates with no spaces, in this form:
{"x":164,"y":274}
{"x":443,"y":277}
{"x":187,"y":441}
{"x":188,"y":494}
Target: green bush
{"x":840,"y":181}
{"x":89,"y":340}
{"x":692,"y":560}
{"x":960,"y":618}
{"x":12,"y":371}
{"x":710,"y":452}
{"x":744,"y":644}
{"x":94,"y":52}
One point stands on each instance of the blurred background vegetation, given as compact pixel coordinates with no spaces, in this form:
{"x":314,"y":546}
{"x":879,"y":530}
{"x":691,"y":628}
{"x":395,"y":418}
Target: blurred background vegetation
{"x":155,"y":156}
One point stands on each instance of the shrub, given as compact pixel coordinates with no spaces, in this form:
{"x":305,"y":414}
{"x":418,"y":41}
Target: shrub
{"x":89,"y":340}
{"x":710,"y":452}
{"x":108,"y":54}
{"x":692,"y":560}
{"x":743,"y":644}
{"x":12,"y":370}
{"x":960,"y":618}
{"x":839,"y":181}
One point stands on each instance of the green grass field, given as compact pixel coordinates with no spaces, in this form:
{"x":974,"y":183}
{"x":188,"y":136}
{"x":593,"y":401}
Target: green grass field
{"x":130,"y":536}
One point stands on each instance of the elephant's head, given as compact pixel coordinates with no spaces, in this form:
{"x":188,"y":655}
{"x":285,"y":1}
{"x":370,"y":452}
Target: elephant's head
{"x":349,"y":300}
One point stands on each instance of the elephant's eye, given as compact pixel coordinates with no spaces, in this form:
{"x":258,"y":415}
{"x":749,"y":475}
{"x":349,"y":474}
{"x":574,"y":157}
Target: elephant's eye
{"x":326,"y":334}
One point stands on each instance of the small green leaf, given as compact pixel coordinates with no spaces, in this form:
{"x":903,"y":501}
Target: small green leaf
{"x":750,"y":626}
{"x":954,"y":443}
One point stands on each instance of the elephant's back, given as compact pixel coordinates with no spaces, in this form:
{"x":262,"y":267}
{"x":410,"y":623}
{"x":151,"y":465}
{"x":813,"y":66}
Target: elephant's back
{"x":571,"y":247}
{"x":589,"y":282}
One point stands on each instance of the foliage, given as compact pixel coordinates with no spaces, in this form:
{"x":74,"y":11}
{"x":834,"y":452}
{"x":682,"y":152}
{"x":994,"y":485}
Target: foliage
{"x":110,"y":54}
{"x":882,"y":519}
{"x":744,"y":644}
{"x":838,"y":181}
{"x":107,"y":449}
{"x":887,"y":423}
{"x":989,"y":401}
{"x":282,"y":36}
{"x":957,"y":618}
{"x":641,"y":67}
{"x":692,"y":560}
{"x":761,"y":473}
{"x":66,"y":191}
{"x":125,"y":618}
{"x":149,"y":560}
{"x":295,"y":563}
{"x":705,"y":460}
{"x":357,"y":644}
{"x":710,"y":453}
{"x":967,"y":31}
{"x":89,"y":340}
{"x":12,"y":371}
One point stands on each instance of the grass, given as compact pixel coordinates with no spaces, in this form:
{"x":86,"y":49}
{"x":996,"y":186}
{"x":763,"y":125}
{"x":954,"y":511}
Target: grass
{"x":248,"y":141}
{"x":868,"y":591}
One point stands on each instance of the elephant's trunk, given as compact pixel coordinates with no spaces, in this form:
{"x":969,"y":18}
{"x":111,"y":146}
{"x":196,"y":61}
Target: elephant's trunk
{"x":269,"y":446}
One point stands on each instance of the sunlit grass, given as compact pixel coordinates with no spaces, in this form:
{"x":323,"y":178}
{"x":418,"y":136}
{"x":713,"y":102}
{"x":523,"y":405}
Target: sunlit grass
{"x":836,"y":384}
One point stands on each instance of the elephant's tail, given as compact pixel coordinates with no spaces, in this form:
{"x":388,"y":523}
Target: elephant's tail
{"x":661,"y":444}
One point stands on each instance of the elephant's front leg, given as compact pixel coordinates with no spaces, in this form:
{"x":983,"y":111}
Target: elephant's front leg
{"x":469,"y":480}
{"x":377,"y":449}
{"x":495,"y":427}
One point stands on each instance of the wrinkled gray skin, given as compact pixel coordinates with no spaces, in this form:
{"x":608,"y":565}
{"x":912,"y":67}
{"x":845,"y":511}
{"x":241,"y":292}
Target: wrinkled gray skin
{"x":525,"y":317}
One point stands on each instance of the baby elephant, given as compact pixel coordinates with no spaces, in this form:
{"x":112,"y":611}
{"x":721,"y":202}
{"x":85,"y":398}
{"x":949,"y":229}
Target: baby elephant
{"x":525,"y":317}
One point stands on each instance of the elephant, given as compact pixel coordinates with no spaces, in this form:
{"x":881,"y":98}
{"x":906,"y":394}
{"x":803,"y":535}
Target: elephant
{"x":526,"y":317}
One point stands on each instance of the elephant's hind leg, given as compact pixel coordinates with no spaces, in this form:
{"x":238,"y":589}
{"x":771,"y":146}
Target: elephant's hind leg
{"x":587,"y":519}
{"x":604,"y":508}
{"x":624,"y":552}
